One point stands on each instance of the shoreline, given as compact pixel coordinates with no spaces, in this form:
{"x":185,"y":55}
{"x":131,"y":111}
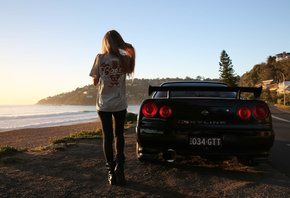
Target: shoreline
{"x":35,"y":137}
{"x":46,"y":126}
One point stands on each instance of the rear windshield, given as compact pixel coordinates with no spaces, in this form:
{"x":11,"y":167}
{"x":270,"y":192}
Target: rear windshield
{"x":210,"y":94}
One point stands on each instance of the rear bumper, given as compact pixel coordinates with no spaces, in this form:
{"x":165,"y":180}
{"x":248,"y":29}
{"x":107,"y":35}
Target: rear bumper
{"x":236,"y":142}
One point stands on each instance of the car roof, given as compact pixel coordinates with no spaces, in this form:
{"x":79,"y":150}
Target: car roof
{"x":194,"y":83}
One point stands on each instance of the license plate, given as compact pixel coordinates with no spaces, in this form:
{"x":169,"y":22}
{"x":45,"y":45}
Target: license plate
{"x":200,"y":141}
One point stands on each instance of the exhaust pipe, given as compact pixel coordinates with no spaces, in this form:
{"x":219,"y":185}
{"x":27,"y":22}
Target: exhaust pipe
{"x":169,"y":155}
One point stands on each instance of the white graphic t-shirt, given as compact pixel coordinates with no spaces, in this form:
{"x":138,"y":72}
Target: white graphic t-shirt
{"x":112,"y":83}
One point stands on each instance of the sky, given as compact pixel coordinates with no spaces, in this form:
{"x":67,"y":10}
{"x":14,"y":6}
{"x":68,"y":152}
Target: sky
{"x":48,"y":47}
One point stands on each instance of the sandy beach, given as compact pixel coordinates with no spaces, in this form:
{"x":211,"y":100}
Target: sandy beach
{"x":34,"y":137}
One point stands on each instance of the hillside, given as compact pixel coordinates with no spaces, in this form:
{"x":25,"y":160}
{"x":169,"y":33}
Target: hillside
{"x":266,"y":71}
{"x":137,"y":91}
{"x":271,"y":70}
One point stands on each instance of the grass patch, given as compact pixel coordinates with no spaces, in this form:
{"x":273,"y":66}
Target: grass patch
{"x":7,"y":150}
{"x":130,"y":117}
{"x":129,"y":124}
{"x":58,"y":148}
{"x":7,"y":155}
{"x":40,"y":148}
{"x":77,"y":136}
{"x":130,"y":120}
{"x":282,"y":107}
{"x":87,"y":134}
{"x":23,"y":149}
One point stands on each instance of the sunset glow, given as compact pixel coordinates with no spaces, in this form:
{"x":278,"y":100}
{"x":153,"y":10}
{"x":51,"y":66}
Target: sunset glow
{"x":48,"y":47}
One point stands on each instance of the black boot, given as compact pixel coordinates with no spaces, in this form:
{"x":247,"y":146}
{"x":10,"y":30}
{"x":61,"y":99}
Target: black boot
{"x":110,"y":166}
{"x":119,"y":170}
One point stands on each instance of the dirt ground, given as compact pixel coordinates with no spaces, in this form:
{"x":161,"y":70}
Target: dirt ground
{"x":79,"y":171}
{"x":34,"y":137}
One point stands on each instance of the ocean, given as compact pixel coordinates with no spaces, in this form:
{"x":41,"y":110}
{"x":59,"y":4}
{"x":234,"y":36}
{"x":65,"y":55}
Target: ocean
{"x":35,"y":116}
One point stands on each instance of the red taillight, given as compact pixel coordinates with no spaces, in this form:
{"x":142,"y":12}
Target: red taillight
{"x":244,"y":113}
{"x":260,"y":111}
{"x":149,"y":109}
{"x":165,"y":111}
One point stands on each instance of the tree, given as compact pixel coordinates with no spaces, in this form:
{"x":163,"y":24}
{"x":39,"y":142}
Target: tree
{"x":199,"y":78}
{"x":271,"y":60}
{"x":227,"y":75}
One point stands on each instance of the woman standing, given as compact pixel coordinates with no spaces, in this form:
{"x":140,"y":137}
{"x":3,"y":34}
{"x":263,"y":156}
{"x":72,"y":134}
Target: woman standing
{"x":109,"y":72}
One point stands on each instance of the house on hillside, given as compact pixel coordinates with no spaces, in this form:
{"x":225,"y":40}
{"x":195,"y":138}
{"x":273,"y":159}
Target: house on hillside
{"x":280,"y":89}
{"x":282,"y":56}
{"x":273,"y":87}
{"x":270,"y":84}
{"x":265,"y":83}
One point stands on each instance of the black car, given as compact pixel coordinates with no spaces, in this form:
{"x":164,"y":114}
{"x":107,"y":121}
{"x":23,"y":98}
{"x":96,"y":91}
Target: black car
{"x":204,"y":118}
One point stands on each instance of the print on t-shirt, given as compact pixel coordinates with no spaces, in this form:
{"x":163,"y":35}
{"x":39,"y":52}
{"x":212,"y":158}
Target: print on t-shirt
{"x":113,"y":72}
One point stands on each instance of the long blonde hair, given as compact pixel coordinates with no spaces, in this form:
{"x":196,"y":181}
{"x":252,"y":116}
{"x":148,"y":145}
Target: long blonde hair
{"x":112,"y":42}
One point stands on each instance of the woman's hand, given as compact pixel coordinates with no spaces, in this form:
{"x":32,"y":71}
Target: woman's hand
{"x":95,"y":81}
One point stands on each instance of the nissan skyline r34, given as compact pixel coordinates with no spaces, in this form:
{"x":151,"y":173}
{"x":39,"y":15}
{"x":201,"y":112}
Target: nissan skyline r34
{"x":206,"y":119}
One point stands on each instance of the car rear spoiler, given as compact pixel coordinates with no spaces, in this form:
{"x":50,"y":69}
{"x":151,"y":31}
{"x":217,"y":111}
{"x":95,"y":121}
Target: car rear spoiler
{"x":255,"y":90}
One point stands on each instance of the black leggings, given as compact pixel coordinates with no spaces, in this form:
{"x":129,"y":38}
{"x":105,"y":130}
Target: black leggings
{"x":108,"y":134}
